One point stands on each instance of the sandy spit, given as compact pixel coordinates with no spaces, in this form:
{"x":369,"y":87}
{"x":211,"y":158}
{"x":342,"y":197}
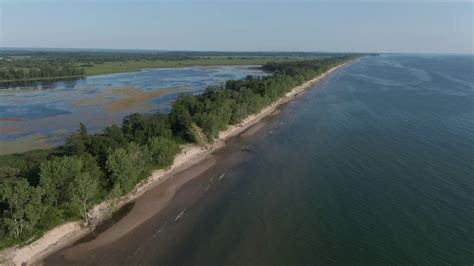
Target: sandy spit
{"x":66,"y":234}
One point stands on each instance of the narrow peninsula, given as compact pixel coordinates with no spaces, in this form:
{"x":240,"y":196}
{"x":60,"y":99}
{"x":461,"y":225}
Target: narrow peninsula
{"x":55,"y":196}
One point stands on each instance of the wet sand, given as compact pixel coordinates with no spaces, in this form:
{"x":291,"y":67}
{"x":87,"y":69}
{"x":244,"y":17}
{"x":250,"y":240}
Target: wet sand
{"x":159,"y":213}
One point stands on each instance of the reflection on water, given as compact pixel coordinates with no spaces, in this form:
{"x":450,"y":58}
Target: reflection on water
{"x":42,"y":84}
{"x":40,"y":114}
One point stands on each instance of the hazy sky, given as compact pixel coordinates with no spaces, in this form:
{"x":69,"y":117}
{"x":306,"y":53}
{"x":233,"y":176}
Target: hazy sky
{"x":262,"y":25}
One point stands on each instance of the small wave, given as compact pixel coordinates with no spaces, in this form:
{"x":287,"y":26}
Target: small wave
{"x":159,"y":231}
{"x":222,"y":176}
{"x":179,"y":215}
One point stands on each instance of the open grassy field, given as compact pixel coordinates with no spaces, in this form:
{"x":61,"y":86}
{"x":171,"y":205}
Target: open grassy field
{"x":136,"y":65}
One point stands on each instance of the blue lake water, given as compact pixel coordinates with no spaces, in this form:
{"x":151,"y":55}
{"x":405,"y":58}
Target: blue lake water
{"x":42,"y":114}
{"x":373,"y":166}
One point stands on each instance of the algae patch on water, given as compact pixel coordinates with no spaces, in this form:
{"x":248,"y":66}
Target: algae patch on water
{"x":126,"y":97}
{"x":30,"y":142}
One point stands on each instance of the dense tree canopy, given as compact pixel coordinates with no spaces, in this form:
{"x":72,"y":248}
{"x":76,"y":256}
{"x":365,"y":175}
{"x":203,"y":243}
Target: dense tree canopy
{"x":22,"y":204}
{"x":162,"y":150}
{"x":40,"y":71}
{"x":126,"y":166}
{"x":83,"y":191}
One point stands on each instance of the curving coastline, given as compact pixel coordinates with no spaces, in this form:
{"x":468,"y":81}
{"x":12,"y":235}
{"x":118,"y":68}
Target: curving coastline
{"x":181,"y":171}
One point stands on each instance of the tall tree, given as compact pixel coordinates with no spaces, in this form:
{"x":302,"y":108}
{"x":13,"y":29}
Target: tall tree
{"x":126,"y":166}
{"x":23,"y":206}
{"x":56,"y":176}
{"x":78,"y":143}
{"x":162,"y":150}
{"x":83,"y":190}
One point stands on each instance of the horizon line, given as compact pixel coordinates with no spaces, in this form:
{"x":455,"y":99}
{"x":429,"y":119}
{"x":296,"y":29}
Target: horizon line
{"x":228,"y":51}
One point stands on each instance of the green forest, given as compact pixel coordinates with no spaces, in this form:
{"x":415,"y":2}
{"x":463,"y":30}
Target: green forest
{"x":44,"y":188}
{"x":38,"y":71}
{"x":34,"y":65}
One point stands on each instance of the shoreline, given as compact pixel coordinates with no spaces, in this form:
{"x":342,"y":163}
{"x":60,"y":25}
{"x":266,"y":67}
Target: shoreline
{"x":192,"y":158}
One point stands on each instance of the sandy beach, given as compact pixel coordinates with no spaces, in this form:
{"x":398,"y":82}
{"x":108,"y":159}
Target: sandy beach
{"x":149,"y":197}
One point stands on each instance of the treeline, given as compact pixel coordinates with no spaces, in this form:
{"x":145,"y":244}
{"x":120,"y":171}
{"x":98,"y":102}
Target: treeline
{"x":44,"y":188}
{"x":20,"y":65}
{"x":218,"y":107}
{"x":23,"y":58}
{"x":62,"y":56}
{"x":38,"y":70}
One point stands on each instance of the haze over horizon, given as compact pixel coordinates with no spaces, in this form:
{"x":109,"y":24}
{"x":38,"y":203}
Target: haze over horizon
{"x":348,"y":26}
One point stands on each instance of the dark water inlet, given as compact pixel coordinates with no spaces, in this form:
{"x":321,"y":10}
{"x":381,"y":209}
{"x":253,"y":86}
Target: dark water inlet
{"x":115,"y":217}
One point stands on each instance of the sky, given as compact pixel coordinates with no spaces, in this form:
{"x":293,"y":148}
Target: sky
{"x":400,"y":26}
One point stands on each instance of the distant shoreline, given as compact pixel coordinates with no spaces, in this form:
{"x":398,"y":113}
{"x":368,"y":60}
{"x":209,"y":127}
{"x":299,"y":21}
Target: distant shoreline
{"x":191,"y":158}
{"x":128,"y":67}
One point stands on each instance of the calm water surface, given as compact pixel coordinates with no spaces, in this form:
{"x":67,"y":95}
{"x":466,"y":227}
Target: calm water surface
{"x":374,"y":166}
{"x":41,"y":115}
